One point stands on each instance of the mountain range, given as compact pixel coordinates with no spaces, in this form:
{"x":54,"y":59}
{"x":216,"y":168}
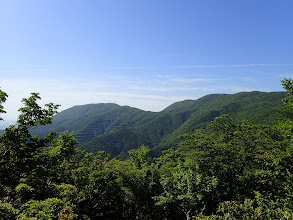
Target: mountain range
{"x":117,"y":129}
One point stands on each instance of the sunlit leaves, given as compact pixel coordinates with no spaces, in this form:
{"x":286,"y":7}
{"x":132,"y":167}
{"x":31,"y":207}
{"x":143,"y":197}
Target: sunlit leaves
{"x":32,"y":115}
{"x":3,"y":97}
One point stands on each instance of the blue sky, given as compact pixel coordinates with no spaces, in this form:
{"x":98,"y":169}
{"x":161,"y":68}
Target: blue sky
{"x":142,"y":53}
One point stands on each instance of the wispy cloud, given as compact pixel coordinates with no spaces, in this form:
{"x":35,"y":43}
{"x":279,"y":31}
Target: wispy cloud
{"x":22,"y":70}
{"x":227,"y":66}
{"x":186,"y":80}
{"x":140,"y":96}
{"x":127,"y":67}
{"x":169,"y":89}
{"x":285,"y":75}
{"x":241,"y":89}
{"x":200,"y":90}
{"x":248,"y":79}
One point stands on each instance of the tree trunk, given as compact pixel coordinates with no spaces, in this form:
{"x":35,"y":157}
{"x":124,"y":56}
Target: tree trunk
{"x":187,"y":214}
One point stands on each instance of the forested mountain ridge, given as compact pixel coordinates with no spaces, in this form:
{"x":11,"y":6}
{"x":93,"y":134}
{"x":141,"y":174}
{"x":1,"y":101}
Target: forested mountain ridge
{"x":256,"y":107}
{"x":88,"y":121}
{"x":118,"y":129}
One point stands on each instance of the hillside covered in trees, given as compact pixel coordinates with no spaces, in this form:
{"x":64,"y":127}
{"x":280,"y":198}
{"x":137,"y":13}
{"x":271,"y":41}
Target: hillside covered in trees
{"x":118,"y":129}
{"x":233,"y":170}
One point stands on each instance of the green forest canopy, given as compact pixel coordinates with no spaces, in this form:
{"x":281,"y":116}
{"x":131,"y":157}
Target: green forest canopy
{"x":237,"y":171}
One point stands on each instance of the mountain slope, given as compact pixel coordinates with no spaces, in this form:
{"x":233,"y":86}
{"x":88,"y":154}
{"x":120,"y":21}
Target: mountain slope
{"x":118,"y":129}
{"x":256,"y":107}
{"x":89,"y":121}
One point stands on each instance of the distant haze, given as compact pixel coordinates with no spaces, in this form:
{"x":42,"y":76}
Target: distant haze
{"x":5,"y":124}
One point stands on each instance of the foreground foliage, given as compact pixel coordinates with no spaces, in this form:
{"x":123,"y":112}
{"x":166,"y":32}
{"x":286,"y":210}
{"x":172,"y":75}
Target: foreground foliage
{"x":234,"y":171}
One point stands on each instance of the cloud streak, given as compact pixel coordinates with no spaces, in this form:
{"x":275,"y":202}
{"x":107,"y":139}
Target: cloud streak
{"x":186,"y":80}
{"x":127,"y":68}
{"x":23,"y":71}
{"x":169,"y":89}
{"x":228,"y":66}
